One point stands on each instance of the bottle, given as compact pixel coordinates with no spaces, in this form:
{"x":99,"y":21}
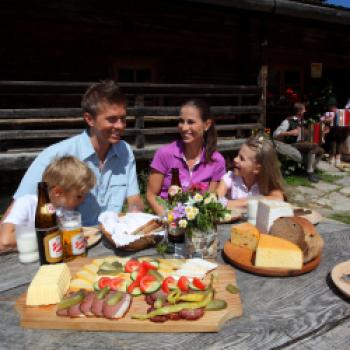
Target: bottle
{"x":74,"y":243}
{"x":47,"y":232}
{"x":175,"y":185}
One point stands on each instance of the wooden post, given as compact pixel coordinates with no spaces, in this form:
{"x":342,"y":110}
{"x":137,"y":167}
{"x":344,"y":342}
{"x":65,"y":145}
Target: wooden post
{"x":139,"y":123}
{"x":262,"y":83}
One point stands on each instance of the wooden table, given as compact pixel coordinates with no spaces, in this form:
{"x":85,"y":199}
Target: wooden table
{"x":305,"y":312}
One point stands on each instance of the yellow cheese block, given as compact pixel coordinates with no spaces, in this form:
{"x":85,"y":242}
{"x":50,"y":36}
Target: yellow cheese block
{"x":49,"y":285}
{"x":91,"y":268}
{"x":87,"y":276}
{"x":245,"y":235}
{"x":79,"y":283}
{"x":278,"y":253}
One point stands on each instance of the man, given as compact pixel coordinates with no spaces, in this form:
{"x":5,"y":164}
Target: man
{"x":290,"y":131}
{"x":101,"y":147}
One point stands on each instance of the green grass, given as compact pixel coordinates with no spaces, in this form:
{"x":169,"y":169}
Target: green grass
{"x":329,"y":178}
{"x":345,"y":218}
{"x":297,"y":180}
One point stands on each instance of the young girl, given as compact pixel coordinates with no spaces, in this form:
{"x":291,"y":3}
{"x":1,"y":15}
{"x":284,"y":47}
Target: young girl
{"x":256,"y":172}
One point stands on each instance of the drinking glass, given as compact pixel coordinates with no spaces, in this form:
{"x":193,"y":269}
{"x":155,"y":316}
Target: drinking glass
{"x":27,"y":244}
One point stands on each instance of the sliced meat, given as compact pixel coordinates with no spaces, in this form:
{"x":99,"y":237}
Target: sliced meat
{"x":86,"y":304}
{"x":158,"y":319}
{"x":175,"y":316}
{"x":149,"y":300}
{"x":74,"y":311}
{"x":192,"y":314}
{"x":63,"y":312}
{"x":118,"y":310}
{"x":97,"y":306}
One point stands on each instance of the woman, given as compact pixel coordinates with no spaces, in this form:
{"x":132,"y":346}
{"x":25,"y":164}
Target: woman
{"x":194,"y":155}
{"x":255,"y":172}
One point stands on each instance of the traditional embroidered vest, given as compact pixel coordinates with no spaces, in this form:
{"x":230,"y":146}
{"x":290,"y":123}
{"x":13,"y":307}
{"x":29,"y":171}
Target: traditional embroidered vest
{"x":294,"y":122}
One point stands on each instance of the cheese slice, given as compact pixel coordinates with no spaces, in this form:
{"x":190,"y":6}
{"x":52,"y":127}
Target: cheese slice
{"x":49,"y":285}
{"x":245,"y":235}
{"x":270,"y":210}
{"x":195,"y":268}
{"x":91,"y":268}
{"x":87,"y":276}
{"x":79,"y":283}
{"x":278,"y":253}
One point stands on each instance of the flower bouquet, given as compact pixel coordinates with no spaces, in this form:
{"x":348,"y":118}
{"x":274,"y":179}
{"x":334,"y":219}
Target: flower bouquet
{"x":196,"y":213}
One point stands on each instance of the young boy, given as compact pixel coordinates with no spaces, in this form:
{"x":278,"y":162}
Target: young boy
{"x":69,"y":180}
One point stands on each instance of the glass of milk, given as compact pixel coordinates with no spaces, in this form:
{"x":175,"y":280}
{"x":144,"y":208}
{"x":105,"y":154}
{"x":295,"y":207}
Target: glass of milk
{"x":27,"y":244}
{"x":252,"y":208}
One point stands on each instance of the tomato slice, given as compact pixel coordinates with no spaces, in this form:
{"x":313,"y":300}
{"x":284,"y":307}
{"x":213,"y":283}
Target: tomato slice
{"x":116,"y":282}
{"x":131,"y":266}
{"x":133,"y":285}
{"x":198,"y":283}
{"x":145,"y":281}
{"x":183,"y":283}
{"x":104,"y":282}
{"x":166,"y":282}
{"x":148,"y":266}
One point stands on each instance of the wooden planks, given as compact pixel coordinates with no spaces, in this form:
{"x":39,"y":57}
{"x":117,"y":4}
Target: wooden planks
{"x":45,"y":317}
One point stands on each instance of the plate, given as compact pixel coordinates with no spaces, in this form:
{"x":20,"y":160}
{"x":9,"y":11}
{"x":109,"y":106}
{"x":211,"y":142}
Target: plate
{"x":313,"y":216}
{"x":337,"y":272}
{"x":242,"y":258}
{"x":236,"y":214}
{"x":93,"y":236}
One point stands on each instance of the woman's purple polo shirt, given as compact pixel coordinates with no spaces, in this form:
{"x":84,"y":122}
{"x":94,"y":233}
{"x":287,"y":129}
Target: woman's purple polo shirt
{"x":172,"y":156}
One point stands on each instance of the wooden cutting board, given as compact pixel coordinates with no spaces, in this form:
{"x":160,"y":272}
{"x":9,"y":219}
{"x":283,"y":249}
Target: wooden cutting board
{"x":44,"y":317}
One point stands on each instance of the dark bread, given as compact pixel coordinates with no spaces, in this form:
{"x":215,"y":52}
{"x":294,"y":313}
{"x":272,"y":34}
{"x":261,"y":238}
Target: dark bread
{"x":302,"y":233}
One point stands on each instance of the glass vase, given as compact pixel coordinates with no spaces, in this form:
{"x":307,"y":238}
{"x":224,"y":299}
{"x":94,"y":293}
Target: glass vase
{"x":202,"y":244}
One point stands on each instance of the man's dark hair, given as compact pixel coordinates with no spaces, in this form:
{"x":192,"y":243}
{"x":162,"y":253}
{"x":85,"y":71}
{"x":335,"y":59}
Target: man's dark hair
{"x":104,"y":92}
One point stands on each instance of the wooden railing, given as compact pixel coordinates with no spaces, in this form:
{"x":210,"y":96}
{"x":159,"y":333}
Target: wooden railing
{"x":39,"y":121}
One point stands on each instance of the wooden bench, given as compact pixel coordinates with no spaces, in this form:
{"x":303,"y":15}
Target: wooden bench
{"x":151,"y":116}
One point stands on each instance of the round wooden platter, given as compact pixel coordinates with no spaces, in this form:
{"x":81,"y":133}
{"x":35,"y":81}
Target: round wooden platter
{"x":242,"y":258}
{"x":309,"y":214}
{"x":337,"y":272}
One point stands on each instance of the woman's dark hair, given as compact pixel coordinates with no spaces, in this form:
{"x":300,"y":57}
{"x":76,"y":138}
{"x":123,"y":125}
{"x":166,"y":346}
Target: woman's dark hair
{"x":103,"y":92}
{"x":210,"y":136}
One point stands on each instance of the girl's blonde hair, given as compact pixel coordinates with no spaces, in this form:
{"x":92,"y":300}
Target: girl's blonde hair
{"x":269,"y":177}
{"x":69,"y":173}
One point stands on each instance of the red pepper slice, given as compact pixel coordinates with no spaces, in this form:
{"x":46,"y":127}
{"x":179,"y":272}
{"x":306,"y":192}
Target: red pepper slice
{"x":116,"y":282}
{"x":145,"y":282}
{"x":133,"y":285}
{"x":198,"y":283}
{"x":148,"y":266}
{"x":131,"y":266}
{"x":104,"y":282}
{"x":183,"y":283}
{"x":166,"y":282}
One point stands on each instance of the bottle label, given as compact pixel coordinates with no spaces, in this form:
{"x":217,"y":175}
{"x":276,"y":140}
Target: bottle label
{"x":53,"y":247}
{"x":48,"y":208}
{"x":78,"y":244}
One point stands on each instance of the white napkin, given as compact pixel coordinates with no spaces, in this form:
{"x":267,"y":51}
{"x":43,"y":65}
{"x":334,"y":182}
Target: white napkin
{"x":121,"y":228}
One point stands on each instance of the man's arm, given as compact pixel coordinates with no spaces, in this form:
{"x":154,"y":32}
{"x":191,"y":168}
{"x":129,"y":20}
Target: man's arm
{"x":282,"y":131}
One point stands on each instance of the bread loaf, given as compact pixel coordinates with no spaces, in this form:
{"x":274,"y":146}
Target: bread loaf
{"x":301,"y":232}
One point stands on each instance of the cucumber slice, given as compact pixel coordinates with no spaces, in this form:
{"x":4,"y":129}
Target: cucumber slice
{"x":136,"y":292}
{"x":152,"y":287}
{"x":123,"y":287}
{"x":155,"y":263}
{"x":156,"y":274}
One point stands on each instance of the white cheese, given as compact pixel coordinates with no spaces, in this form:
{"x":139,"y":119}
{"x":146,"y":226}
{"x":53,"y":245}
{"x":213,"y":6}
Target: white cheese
{"x":269,"y":211}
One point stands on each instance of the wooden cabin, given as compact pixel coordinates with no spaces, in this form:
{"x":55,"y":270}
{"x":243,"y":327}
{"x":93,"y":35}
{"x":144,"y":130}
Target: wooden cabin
{"x":233,"y":53}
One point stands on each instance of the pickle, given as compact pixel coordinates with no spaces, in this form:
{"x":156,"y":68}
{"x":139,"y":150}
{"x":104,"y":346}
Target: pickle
{"x":232,"y":289}
{"x":191,"y":297}
{"x":109,"y":272}
{"x":216,"y":304}
{"x":158,"y":303}
{"x":114,"y":299}
{"x":117,"y":264}
{"x":70,"y":301}
{"x":102,"y":293}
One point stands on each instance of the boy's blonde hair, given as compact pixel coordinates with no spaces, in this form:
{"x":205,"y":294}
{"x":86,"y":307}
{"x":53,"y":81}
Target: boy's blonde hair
{"x":269,"y":177}
{"x":69,"y":173}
